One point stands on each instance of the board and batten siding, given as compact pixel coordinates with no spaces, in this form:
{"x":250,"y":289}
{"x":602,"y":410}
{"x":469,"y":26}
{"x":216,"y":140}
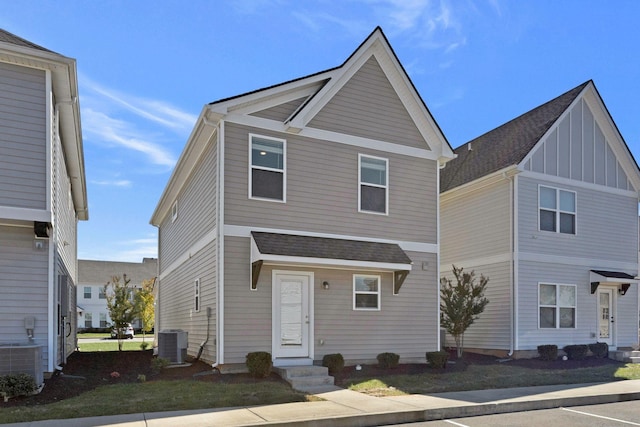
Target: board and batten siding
{"x":24,"y":287}
{"x":23,"y":137}
{"x":476,"y":224}
{"x":406,"y":324}
{"x":530,"y":336}
{"x":197,"y":211}
{"x":368,"y":106}
{"x":492,"y":330}
{"x":176,"y":301}
{"x":322,"y":190}
{"x":604,"y":222}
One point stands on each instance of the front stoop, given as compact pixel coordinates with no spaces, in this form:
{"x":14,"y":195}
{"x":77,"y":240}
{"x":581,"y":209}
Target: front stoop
{"x":628,"y":356}
{"x":310,"y":379}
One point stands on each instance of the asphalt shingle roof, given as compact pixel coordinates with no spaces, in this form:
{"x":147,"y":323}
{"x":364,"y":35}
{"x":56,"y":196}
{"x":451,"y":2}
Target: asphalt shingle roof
{"x":505,"y":145}
{"x":322,"y":247}
{"x":7,"y":37}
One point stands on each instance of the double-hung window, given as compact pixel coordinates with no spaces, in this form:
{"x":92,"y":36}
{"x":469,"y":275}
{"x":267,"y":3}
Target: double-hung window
{"x":366,"y":292}
{"x":103,"y":320}
{"x":101,"y":293}
{"x":557,"y":210}
{"x":88,"y":319}
{"x":373,"y":176}
{"x":557,"y":306}
{"x":267,"y":178}
{"x":87,"y":292}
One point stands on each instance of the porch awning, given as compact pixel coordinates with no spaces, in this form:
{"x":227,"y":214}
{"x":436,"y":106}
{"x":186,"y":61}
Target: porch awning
{"x":275,"y":248}
{"x":618,"y":277}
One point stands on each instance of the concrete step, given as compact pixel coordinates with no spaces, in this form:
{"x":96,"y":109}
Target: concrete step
{"x":634,"y":359}
{"x":310,"y":379}
{"x":628,"y":356}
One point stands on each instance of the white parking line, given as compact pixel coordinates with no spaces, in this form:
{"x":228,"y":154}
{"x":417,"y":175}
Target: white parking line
{"x":600,"y":416}
{"x":455,"y":423}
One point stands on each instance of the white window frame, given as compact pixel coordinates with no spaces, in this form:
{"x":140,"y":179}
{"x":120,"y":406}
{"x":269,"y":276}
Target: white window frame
{"x":360,"y":184}
{"x":557,"y":211}
{"x":174,"y":211}
{"x":103,"y":319}
{"x":557,"y":306}
{"x":84,"y":292}
{"x":283,"y":171}
{"x":88,"y":317}
{"x":197,"y":302}
{"x":102,"y":294}
{"x":378,"y":293}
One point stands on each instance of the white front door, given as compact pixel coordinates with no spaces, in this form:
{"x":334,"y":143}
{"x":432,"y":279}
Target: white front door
{"x":291,"y":314}
{"x":606,"y":315}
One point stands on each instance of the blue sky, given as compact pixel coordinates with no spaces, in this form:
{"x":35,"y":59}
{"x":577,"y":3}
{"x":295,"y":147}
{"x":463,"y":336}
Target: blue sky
{"x":146,"y":69}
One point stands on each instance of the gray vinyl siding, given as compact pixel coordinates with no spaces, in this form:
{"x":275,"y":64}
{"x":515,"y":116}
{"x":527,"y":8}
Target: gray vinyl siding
{"x":530,"y":336}
{"x":176,"y":295}
{"x":368,"y":106}
{"x":476,"y":224}
{"x":23,"y":286}
{"x":281,"y":112}
{"x":358,"y":335}
{"x":604,"y":222}
{"x":22,"y":137}
{"x":197,"y":212}
{"x":492,"y":330}
{"x":322,"y":190}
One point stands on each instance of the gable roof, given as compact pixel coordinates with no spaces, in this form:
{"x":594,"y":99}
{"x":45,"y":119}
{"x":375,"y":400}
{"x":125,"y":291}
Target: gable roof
{"x":8,"y":37}
{"x":505,"y":145}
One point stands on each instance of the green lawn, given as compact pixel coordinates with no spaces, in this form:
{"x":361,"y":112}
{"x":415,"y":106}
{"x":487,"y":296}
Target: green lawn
{"x":82,"y":335}
{"x":110,"y":345}
{"x":155,"y":396}
{"x":481,"y":377}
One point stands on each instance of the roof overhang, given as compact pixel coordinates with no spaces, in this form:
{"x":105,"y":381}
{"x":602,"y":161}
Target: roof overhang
{"x":287,"y":249}
{"x":624,"y":280}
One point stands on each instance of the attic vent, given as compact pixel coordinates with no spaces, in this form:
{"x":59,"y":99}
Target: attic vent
{"x":469,"y":148}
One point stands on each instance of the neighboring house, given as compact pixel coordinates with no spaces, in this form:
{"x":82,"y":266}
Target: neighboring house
{"x":546,"y":206}
{"x":42,"y":197}
{"x":302,"y":220}
{"x":93,"y":275}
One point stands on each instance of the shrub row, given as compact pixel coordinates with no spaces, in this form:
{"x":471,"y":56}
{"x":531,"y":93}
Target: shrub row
{"x":16,"y":385}
{"x":574,"y":352}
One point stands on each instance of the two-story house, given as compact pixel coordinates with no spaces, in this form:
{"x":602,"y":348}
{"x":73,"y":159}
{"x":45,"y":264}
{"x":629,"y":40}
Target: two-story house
{"x":546,"y":206}
{"x":94,"y":274}
{"x":42,"y":198}
{"x":302,"y":220}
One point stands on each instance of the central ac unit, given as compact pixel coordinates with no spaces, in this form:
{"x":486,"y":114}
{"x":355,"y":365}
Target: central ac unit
{"x":172,"y":345}
{"x":22,"y":358}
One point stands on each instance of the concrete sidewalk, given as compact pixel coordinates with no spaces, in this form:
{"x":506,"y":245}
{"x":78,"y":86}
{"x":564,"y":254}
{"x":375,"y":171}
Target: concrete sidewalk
{"x":348,"y":408}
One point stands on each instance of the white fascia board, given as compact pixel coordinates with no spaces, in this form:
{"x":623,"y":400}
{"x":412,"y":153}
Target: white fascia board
{"x":196,"y":144}
{"x":340,"y":138}
{"x":484,"y":181}
{"x":580,"y":184}
{"x":328,"y":262}
{"x":24,"y":214}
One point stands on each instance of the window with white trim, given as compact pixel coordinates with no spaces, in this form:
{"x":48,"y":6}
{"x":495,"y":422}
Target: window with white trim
{"x":103,"y":320}
{"x":88,"y":319}
{"x":101,"y":293}
{"x":557,"y":306}
{"x":196,"y":295}
{"x":557,"y":210}
{"x":267,"y":175}
{"x":373,"y":177}
{"x":87,"y":292}
{"x":174,"y":211}
{"x":366,"y":292}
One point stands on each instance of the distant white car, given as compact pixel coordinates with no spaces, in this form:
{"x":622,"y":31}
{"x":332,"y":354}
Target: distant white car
{"x":125,"y":331}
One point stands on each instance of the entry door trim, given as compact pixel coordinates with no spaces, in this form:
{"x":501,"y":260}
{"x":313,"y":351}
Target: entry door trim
{"x":611,"y":340}
{"x":308,"y":328}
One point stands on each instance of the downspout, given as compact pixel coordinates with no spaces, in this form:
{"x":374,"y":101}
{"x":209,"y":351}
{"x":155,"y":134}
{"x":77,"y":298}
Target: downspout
{"x":512,"y":245}
{"x":220,"y":249}
{"x":515,"y":264}
{"x":440,"y":167}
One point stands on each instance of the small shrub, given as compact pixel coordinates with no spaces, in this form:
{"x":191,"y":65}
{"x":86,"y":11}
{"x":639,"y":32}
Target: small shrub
{"x":548,"y":352}
{"x":158,"y":364}
{"x":144,"y":345}
{"x":599,"y":349}
{"x":388,"y":360}
{"x":334,"y":362}
{"x":16,"y":385}
{"x":142,"y":378}
{"x":576,"y":352}
{"x":437,"y":359}
{"x":259,"y":364}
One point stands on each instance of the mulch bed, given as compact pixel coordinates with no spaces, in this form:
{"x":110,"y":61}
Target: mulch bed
{"x":85,"y":371}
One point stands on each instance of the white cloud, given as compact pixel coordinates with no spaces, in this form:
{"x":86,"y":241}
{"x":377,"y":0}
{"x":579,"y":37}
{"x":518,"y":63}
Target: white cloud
{"x":124,"y":134}
{"x":115,"y":183}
